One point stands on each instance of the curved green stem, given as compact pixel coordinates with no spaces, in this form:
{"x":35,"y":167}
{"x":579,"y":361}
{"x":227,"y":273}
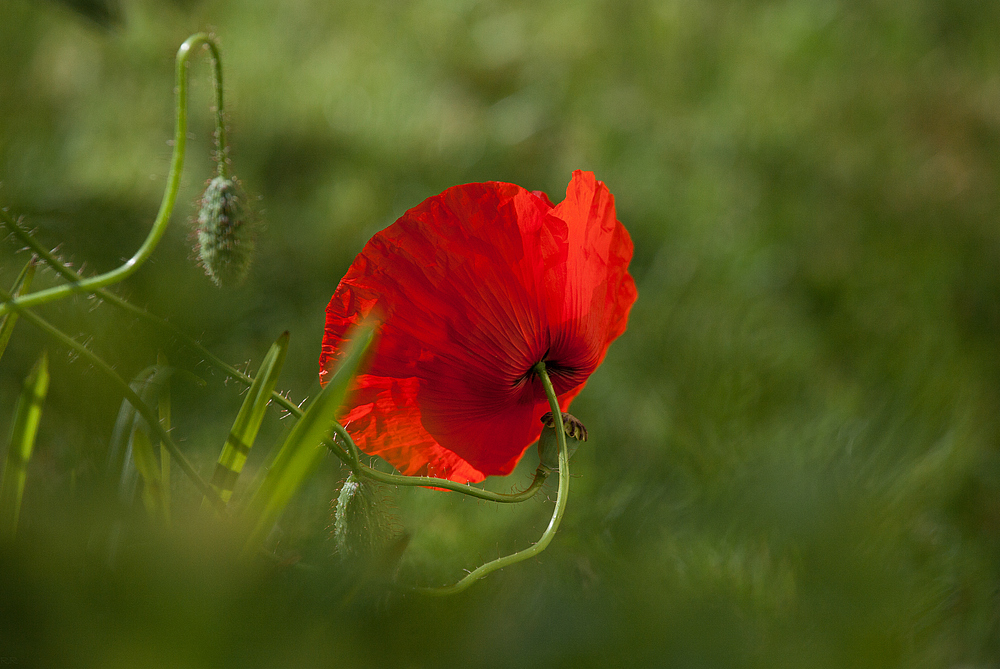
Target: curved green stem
{"x":221,"y":148}
{"x":106,"y":295}
{"x":561,"y":497}
{"x":352,"y":449}
{"x":169,"y":194}
{"x":151,"y":417}
{"x":362,"y":469}
{"x":541,"y":474}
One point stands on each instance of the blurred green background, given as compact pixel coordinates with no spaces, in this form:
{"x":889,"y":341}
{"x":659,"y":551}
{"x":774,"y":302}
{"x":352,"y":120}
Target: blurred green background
{"x":794,"y":448}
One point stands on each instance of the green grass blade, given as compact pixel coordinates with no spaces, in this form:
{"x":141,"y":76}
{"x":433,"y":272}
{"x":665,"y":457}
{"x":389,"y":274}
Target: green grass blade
{"x":26,"y":418}
{"x":163,"y":409}
{"x":120,"y":460}
{"x":21,"y":286}
{"x":149,"y":384}
{"x":149,"y":468}
{"x":248,"y":420}
{"x":109,"y":373}
{"x":302,"y":450}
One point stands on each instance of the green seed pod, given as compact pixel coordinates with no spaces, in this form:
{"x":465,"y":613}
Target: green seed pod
{"x":548,"y":445}
{"x":225,"y":233}
{"x":362,"y":525}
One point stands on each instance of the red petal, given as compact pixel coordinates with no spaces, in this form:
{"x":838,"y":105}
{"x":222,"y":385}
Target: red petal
{"x":472,"y":288}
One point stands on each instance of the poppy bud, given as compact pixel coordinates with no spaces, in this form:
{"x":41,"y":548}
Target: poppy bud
{"x":225,"y":235}
{"x":362,"y":527}
{"x":548,"y":444}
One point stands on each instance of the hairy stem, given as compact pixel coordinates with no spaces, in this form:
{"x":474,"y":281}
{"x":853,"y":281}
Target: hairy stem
{"x":221,"y":148}
{"x":169,"y":194}
{"x":151,"y":417}
{"x":561,"y":497}
{"x":429,"y":481}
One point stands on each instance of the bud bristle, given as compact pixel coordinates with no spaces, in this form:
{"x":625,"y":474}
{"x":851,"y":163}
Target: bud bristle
{"x":225,"y":233}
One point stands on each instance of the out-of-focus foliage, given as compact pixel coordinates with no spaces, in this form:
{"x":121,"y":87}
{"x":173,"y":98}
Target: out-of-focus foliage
{"x":793,"y":456}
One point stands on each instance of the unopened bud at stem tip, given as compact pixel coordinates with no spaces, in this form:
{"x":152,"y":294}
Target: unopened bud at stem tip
{"x":225,"y":234}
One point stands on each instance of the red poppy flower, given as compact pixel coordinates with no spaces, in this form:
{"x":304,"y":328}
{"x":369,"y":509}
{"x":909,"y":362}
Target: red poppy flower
{"x":472,"y":288}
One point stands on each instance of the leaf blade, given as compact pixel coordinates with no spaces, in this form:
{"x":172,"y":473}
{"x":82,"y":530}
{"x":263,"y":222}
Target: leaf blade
{"x":248,"y":420}
{"x":27,"y":416}
{"x":149,"y":468}
{"x":302,"y":450}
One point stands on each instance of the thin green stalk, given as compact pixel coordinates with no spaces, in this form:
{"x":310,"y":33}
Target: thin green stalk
{"x":109,"y":297}
{"x":166,"y":204}
{"x":21,"y":285}
{"x":561,"y":498}
{"x":432,"y":482}
{"x":352,"y":449}
{"x":221,"y":149}
{"x":345,"y":456}
{"x":209,"y":357}
{"x":133,"y":398}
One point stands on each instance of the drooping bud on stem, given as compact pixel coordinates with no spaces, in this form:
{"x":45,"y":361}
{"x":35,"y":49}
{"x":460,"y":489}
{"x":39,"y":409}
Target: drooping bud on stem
{"x":225,"y":232}
{"x":548,"y":444}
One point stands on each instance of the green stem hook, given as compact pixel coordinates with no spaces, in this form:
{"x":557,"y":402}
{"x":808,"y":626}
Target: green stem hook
{"x":170,"y":193}
{"x":561,"y":498}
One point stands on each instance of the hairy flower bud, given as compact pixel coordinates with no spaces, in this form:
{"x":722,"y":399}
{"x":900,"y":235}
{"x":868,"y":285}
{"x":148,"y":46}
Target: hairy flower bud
{"x":225,"y":233}
{"x":548,"y":444}
{"x":362,"y":526}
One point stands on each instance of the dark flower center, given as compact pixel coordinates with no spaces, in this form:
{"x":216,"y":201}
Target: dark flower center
{"x":563,"y":376}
